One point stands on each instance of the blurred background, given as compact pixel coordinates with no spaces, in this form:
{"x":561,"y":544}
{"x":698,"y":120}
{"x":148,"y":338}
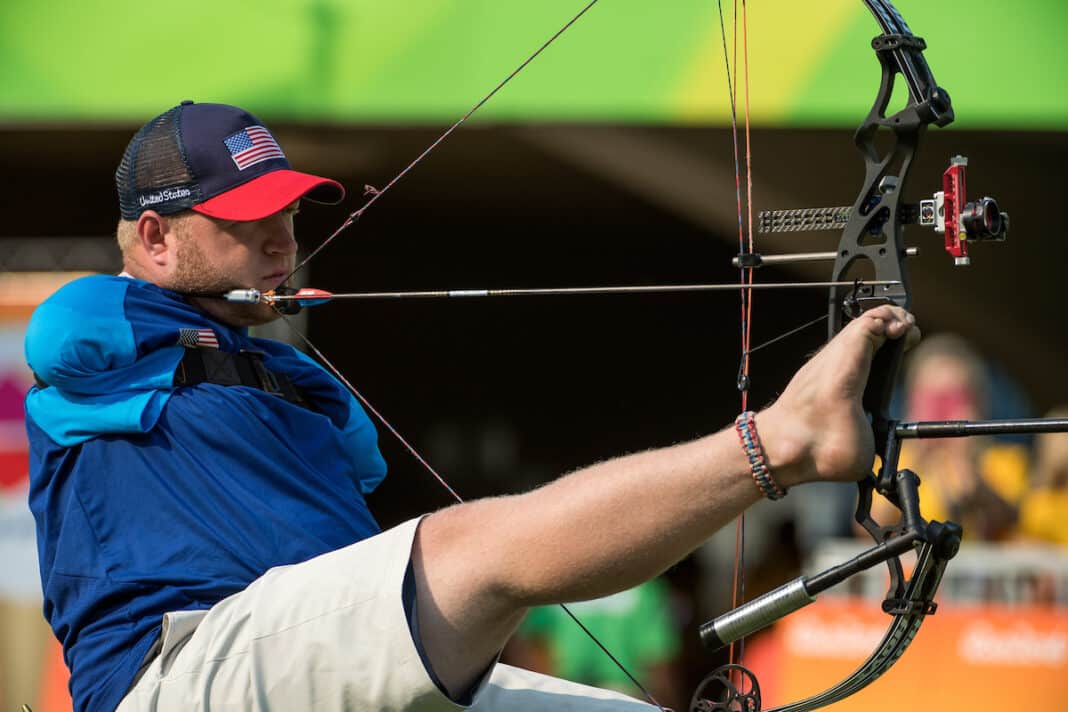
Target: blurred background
{"x":607,"y":161}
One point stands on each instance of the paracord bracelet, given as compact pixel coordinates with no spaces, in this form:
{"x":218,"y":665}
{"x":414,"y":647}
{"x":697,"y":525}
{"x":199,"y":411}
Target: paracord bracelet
{"x":754,"y":452}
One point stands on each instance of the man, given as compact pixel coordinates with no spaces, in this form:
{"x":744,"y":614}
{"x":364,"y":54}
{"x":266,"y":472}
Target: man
{"x":203,"y":536}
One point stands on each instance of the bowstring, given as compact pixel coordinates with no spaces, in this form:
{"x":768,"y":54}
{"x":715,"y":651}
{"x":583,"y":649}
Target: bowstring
{"x":374,"y":194}
{"x":749,"y":293}
{"x":745,"y":274}
{"x":746,"y":279}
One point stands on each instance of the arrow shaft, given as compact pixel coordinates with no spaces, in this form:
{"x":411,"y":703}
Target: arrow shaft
{"x":642,"y":289}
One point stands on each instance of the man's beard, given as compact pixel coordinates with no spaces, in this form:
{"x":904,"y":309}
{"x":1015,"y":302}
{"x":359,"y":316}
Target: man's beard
{"x":196,"y":274}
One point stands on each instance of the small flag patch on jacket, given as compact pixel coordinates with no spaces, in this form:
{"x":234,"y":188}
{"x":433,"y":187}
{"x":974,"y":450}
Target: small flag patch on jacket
{"x":197,"y":338}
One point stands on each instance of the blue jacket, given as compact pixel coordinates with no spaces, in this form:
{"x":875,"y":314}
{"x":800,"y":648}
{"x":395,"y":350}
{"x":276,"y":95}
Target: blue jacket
{"x":150,"y":498}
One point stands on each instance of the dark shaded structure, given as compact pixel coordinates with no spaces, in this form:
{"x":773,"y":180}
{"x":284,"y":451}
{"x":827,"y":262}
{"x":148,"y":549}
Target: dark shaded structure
{"x":501,"y":395}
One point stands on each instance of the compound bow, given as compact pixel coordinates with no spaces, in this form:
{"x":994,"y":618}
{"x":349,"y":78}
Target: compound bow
{"x":873,"y":234}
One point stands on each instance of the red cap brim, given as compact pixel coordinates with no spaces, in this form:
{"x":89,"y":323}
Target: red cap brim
{"x":268,"y":194}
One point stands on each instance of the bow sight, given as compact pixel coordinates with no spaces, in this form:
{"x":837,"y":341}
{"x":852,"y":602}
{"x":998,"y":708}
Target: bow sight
{"x":947,"y":211}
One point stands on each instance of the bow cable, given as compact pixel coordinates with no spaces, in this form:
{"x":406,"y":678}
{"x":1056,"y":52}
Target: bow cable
{"x":745,"y":285}
{"x":452,"y":492}
{"x":375,"y":193}
{"x":745,"y":273}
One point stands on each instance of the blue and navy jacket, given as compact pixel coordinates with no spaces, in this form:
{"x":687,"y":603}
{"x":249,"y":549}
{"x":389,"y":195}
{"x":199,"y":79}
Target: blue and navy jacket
{"x":150,"y":498}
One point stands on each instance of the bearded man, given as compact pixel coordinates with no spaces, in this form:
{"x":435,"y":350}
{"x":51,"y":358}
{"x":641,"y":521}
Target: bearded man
{"x":199,"y":493}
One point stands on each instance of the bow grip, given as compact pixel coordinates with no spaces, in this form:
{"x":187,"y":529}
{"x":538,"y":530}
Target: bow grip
{"x":880,"y":388}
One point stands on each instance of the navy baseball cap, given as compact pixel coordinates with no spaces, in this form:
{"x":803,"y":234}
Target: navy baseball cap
{"x":216,"y":159}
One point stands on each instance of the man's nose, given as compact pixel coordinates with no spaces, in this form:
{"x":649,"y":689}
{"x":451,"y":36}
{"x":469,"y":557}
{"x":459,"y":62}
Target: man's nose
{"x":280,"y":237}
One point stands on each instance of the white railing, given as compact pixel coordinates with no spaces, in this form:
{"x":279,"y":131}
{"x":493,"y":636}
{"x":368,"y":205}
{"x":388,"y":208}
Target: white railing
{"x":1008,"y":573}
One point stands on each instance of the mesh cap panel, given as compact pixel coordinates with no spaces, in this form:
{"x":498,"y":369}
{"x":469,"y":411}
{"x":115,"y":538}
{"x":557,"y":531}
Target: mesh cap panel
{"x":154,"y":173}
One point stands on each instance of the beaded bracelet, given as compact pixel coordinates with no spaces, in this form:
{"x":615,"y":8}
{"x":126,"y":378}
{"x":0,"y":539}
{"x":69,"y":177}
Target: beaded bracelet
{"x":754,"y":452}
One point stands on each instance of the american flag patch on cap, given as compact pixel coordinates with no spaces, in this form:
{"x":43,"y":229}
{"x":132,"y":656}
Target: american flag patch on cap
{"x":198,"y":338}
{"x":251,"y":146}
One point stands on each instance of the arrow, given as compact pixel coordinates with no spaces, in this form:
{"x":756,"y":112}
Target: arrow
{"x":308,"y":297}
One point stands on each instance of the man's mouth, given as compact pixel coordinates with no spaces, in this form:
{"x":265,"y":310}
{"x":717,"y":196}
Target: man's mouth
{"x":275,"y":278}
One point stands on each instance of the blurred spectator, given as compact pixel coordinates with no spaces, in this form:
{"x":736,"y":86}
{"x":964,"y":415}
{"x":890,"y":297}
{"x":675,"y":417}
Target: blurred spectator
{"x":1044,"y":511}
{"x":976,"y":482}
{"x":636,"y":625}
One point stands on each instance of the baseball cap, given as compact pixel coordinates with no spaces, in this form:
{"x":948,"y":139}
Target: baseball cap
{"x":216,"y":159}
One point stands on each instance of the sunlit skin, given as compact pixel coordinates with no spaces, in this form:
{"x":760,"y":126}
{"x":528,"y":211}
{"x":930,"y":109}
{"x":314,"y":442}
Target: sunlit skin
{"x":198,"y":254}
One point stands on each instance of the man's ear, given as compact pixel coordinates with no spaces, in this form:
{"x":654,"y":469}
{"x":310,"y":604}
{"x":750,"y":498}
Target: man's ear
{"x":152,"y":231}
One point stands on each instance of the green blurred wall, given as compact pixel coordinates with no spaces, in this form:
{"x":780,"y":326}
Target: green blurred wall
{"x":1005,"y":64}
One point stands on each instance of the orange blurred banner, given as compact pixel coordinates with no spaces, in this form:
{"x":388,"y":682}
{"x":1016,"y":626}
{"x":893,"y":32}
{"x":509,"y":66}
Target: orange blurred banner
{"x":965,"y":657}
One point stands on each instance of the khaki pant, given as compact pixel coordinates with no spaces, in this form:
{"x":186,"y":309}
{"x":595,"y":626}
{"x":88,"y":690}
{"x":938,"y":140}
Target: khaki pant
{"x":327,"y":635}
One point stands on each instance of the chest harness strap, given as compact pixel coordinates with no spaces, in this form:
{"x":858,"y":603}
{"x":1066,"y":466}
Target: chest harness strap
{"x":244,"y":368}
